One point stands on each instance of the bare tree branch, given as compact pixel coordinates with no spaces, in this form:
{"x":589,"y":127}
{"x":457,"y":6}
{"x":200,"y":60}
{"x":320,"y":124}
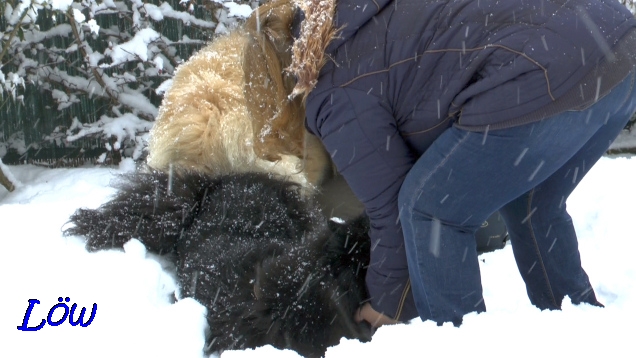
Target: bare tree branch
{"x":80,"y":46}
{"x":7,"y":44}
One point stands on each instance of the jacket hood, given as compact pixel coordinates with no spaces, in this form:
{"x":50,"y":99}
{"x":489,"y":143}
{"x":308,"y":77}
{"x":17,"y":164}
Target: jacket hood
{"x":325,"y":26}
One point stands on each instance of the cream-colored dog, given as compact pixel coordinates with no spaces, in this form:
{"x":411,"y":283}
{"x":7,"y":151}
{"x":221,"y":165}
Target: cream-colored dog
{"x":204,"y":125}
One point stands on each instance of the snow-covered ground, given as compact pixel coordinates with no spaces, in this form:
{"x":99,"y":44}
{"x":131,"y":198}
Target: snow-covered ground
{"x":134,"y":316}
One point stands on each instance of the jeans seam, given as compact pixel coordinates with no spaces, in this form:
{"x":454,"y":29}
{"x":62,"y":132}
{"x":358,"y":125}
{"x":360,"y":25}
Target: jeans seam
{"x":402,"y":299}
{"x":538,"y":251}
{"x":631,"y":88}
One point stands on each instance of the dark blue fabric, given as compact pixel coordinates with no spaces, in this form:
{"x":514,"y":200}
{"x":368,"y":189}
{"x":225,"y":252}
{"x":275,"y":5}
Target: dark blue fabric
{"x":403,"y":72}
{"x":526,"y":172}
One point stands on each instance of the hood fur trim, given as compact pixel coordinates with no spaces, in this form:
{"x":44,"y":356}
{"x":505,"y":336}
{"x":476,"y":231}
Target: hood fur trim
{"x":308,"y":51}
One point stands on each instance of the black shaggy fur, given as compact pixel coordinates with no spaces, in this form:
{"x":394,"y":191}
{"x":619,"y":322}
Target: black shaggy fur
{"x":264,"y":261}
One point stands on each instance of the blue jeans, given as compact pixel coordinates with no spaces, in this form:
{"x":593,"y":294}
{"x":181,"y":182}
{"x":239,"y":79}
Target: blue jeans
{"x":527,"y":173}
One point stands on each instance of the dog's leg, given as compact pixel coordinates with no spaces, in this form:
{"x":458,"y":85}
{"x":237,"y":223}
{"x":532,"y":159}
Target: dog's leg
{"x":153,"y":207}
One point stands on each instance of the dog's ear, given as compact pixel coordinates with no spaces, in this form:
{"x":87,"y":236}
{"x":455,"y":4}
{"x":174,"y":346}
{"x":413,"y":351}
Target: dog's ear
{"x":277,"y":120}
{"x":273,"y":21}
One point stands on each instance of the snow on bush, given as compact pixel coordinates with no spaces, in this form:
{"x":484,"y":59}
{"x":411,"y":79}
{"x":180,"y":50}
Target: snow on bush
{"x":107,"y":55}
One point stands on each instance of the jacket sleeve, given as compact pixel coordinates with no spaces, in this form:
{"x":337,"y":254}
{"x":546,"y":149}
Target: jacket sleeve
{"x":361,"y":135}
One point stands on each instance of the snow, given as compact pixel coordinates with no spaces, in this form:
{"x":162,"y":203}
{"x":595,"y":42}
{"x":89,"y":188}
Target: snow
{"x":60,"y":4}
{"x":187,"y":19}
{"x":237,"y":10}
{"x":137,"y":47}
{"x":626,"y":140}
{"x":78,"y":16}
{"x":123,"y":127}
{"x":132,"y":289}
{"x":164,"y":87}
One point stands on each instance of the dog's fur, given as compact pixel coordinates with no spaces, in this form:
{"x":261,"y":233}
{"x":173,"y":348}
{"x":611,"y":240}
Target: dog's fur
{"x":280,"y":71}
{"x":258,"y":254}
{"x":278,"y":119}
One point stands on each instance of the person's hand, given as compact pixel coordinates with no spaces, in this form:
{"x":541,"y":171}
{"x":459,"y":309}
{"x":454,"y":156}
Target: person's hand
{"x":373,"y":317}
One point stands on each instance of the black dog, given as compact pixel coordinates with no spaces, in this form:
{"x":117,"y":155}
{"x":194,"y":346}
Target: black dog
{"x":264,"y":261}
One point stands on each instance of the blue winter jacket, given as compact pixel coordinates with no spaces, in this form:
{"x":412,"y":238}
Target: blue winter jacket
{"x":403,"y":71}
